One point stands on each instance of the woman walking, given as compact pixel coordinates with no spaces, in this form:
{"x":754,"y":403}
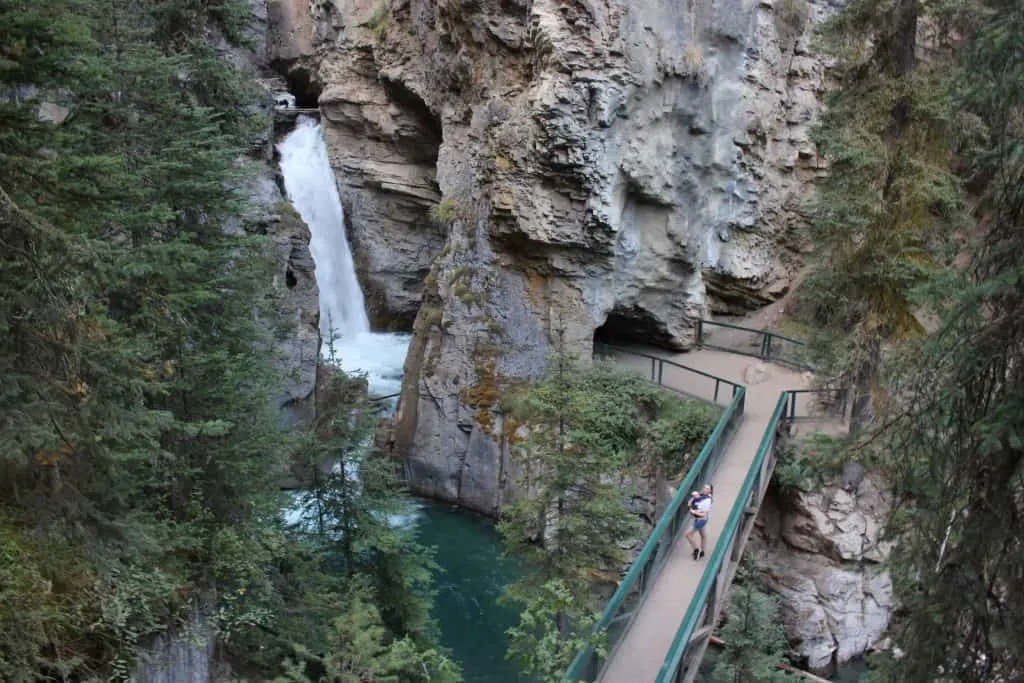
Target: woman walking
{"x":700,"y":509}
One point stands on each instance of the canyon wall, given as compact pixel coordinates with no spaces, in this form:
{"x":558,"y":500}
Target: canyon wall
{"x":518,"y":175}
{"x":822,"y":551}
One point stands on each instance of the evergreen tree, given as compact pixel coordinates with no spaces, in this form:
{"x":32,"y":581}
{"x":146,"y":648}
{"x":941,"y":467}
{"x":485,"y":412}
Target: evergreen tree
{"x":572,"y":519}
{"x":889,"y":201}
{"x":355,"y":504}
{"x":958,"y":452}
{"x":138,"y":443}
{"x":540,"y":646}
{"x":586,"y":429}
{"x":361,"y":650}
{"x":754,"y":637}
{"x":139,"y":448}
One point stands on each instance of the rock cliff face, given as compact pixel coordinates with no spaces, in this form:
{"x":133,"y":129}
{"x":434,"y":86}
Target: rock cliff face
{"x":515,"y":172}
{"x":821,"y":552}
{"x":184,"y":655}
{"x":270,"y":212}
{"x":295,"y":282}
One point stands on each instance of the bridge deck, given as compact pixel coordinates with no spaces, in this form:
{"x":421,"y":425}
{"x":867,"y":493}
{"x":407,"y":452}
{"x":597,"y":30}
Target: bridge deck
{"x":642,"y":650}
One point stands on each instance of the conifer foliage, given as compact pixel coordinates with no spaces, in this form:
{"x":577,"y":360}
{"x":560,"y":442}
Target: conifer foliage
{"x":958,"y":452}
{"x":136,"y":439}
{"x":754,"y":637}
{"x":139,"y":447}
{"x":889,"y":201}
{"x":951,"y":443}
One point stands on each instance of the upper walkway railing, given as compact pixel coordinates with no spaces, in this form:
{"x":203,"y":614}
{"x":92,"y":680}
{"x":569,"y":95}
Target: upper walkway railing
{"x":750,"y":342}
{"x":716,"y":389}
{"x":618,"y":614}
{"x":295,"y":111}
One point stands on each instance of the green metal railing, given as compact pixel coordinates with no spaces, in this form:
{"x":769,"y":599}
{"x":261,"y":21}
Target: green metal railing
{"x":687,"y":649}
{"x":624,"y":604}
{"x":804,"y":403}
{"x":759,"y":343}
{"x":706,"y":387}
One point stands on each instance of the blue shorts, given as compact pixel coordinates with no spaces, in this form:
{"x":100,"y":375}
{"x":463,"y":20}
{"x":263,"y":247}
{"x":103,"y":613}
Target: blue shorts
{"x":699,"y":524}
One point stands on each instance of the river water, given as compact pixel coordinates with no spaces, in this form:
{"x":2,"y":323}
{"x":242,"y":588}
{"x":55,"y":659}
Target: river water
{"x":474,"y":575}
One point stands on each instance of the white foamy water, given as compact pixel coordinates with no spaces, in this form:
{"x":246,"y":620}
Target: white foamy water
{"x":344,"y":326}
{"x":309,"y":182}
{"x":379,"y":355}
{"x":300,"y":514}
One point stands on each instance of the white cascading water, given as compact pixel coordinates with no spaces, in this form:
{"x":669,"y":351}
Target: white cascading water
{"x":348,"y":342}
{"x":310,"y":185}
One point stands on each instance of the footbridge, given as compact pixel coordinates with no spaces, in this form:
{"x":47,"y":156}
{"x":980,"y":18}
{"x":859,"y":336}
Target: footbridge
{"x":660,"y":619}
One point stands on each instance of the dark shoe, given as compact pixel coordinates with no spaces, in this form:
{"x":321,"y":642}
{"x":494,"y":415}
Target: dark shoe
{"x":696,"y":553}
{"x":701,"y":556}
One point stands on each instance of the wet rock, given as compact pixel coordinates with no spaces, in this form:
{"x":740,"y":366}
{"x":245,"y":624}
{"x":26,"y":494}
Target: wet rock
{"x":185,"y":655}
{"x":295,"y":283}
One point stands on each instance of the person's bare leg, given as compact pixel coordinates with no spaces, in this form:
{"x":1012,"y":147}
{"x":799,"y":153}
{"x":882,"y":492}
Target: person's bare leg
{"x":689,"y":538}
{"x":703,"y":540}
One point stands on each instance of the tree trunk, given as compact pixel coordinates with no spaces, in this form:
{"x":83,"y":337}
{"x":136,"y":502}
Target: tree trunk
{"x":864,"y":379}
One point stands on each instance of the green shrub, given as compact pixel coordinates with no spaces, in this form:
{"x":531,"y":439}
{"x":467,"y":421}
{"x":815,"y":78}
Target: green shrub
{"x":810,"y":462}
{"x":380,"y":20}
{"x":444,"y":212}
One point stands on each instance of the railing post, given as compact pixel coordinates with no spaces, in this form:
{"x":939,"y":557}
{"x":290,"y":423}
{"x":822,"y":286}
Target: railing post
{"x":700,"y":332}
{"x":712,"y":602}
{"x":654,"y":362}
{"x":661,"y":371}
{"x":735,"y":552}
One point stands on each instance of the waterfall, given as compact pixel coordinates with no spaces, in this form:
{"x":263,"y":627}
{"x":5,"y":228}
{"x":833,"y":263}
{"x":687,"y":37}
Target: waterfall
{"x":309,"y":182}
{"x":311,"y":187}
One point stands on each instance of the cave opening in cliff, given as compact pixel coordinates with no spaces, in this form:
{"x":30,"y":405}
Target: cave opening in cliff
{"x":305,"y":89}
{"x":634,"y":325}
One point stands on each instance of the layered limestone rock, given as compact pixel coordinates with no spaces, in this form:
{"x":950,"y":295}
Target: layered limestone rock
{"x":298,"y":304}
{"x":288,"y":45}
{"x":559,"y":168}
{"x":383,"y":141}
{"x":822,"y":553}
